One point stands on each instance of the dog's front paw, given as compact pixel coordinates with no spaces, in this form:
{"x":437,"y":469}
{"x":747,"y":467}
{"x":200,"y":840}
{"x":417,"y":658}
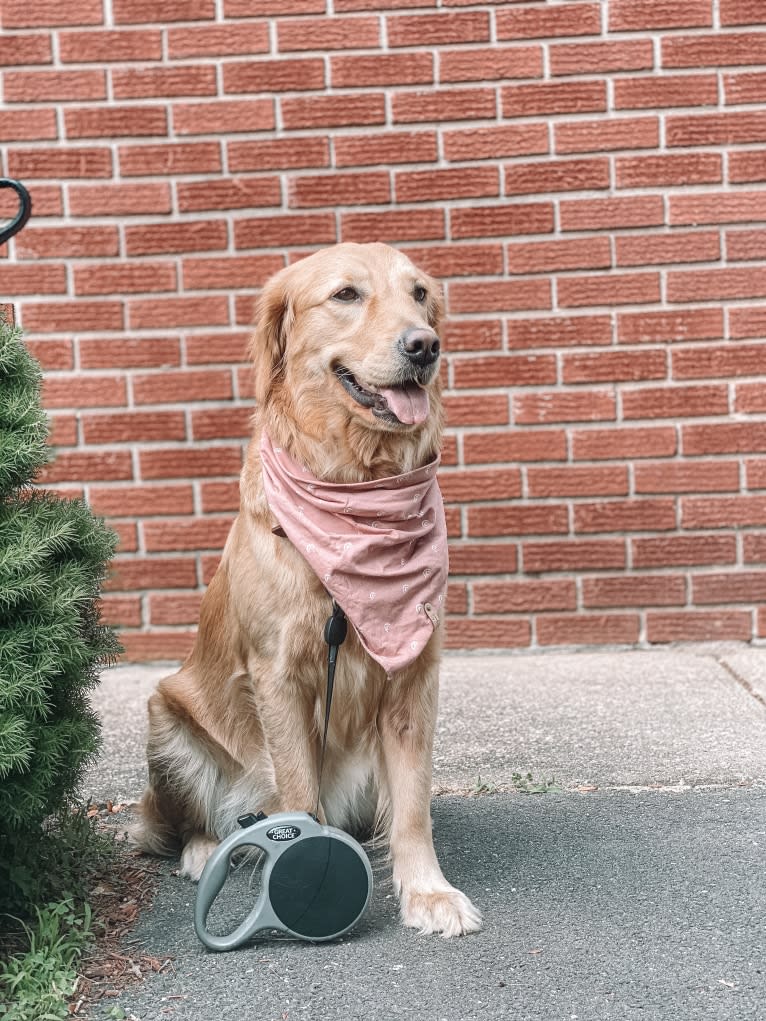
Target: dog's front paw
{"x":195,"y":855}
{"x":446,"y":911}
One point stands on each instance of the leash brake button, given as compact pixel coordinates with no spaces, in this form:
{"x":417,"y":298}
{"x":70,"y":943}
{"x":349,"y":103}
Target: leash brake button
{"x":250,"y":820}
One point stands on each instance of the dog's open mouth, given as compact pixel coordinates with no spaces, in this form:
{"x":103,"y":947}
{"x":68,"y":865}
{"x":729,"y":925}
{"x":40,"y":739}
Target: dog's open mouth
{"x":406,"y":404}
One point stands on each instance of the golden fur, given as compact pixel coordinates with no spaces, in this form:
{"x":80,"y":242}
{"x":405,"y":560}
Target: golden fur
{"x":238,"y":728}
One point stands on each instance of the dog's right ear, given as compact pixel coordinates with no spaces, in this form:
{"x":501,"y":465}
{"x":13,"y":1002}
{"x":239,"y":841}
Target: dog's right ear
{"x":273,"y":319}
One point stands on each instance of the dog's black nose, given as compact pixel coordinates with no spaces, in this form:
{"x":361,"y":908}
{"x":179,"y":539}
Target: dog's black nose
{"x":420,"y":345}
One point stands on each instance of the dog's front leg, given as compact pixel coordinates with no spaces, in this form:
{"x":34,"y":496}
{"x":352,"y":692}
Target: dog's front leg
{"x":407,"y":720}
{"x":287,"y":718}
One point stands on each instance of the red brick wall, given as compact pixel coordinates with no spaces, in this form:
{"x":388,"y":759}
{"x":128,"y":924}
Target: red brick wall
{"x":587,"y":178}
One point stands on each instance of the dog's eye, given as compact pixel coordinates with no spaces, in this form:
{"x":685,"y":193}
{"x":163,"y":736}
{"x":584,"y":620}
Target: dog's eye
{"x":420,"y":294}
{"x":347,"y":294}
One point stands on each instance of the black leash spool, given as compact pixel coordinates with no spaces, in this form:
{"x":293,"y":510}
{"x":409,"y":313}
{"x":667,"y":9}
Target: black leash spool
{"x":25,"y":209}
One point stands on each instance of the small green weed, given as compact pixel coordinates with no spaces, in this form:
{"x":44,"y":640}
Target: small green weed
{"x":484,"y":787}
{"x":526,"y":784}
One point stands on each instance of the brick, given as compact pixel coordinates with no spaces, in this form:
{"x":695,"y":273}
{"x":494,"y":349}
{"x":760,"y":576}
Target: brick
{"x":162,"y":313}
{"x":524,"y":596}
{"x":681,"y":325}
{"x":147,"y":647}
{"x":683,"y":551}
{"x":560,"y":331}
{"x":219,"y":496}
{"x":137,"y":11}
{"x":572,"y":19}
{"x":740,"y":207}
{"x":311,"y":190}
{"x":141,"y":501}
{"x":47,"y":200}
{"x":184,"y":463}
{"x":747,"y":322}
{"x":382,"y":69}
{"x":754,"y":548}
{"x":558,"y":175}
{"x":573,"y":555}
{"x":675,"y":402}
{"x":244,"y":8}
{"x":495,"y":63}
{"x":174,"y":609}
{"x":677,"y":168}
{"x":500,"y":296}
{"x":456,"y":260}
{"x":723,"y":511}
{"x":333,"y":111}
{"x":713,"y":284}
{"x":164,"y":82}
{"x":745,"y":244}
{"x":221,"y":423}
{"x":715,"y":128}
{"x":508,"y":219}
{"x":187,"y":385}
{"x":667,"y":91}
{"x":546,"y":98}
{"x":231,"y":193}
{"x":476,"y":558}
{"x":278,"y":154}
{"x":67,"y":242}
{"x":19,"y":280}
{"x":601,"y":57}
{"x":223,"y":40}
{"x":553,"y":406}
{"x":389,"y":147}
{"x":750,"y":398}
{"x":55,"y":355}
{"x":608,"y":213}
{"x":134,"y":427}
{"x":595,"y":629}
{"x":46,"y":13}
{"x":488,"y":633}
{"x":480,"y":410}
{"x":678,"y":247}
{"x":124,"y":278}
{"x":454,"y":183}
{"x":721,"y":361}
{"x":745,"y":87}
{"x":125,"y":610}
{"x":223,"y":116}
{"x":638,"y":15}
{"x":691,"y":477}
{"x":527,"y":445}
{"x":278,"y":231}
{"x":503,"y":370}
{"x":618,"y":444}
{"x":739,"y":587}
{"x":746,"y":166}
{"x":119,"y":199}
{"x":172,"y":158}
{"x":115,"y":121}
{"x":698,"y":626}
{"x":79,"y":316}
{"x":443,"y":105}
{"x":472,"y":335}
{"x":207,"y":348}
{"x":394,"y":226}
{"x":274,"y":75}
{"x":601,"y":135}
{"x":546,"y":519}
{"x":740,"y":12}
{"x":24,"y":125}
{"x":576,"y":481}
{"x":497,"y":484}
{"x":489,"y":143}
{"x":76,"y":466}
{"x":545,"y":256}
{"x":438,"y":29}
{"x":127,"y":536}
{"x":634,"y":590}
{"x":724,"y":438}
{"x":57,"y":86}
{"x":328,"y":34}
{"x":90,"y":161}
{"x":642,"y":515}
{"x":717,"y":50}
{"x":110,"y":46}
{"x":128,"y":353}
{"x":176,"y":534}
{"x":608,"y":289}
{"x":181,"y":237}
{"x":29,"y":48}
{"x":231,"y":271}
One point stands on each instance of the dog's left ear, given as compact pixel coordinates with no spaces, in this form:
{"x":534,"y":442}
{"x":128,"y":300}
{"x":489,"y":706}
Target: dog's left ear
{"x":273,"y":319}
{"x":435,"y":306}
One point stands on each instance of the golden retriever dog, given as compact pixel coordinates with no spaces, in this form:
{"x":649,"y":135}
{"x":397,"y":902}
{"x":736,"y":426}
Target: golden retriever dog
{"x":343,"y":339}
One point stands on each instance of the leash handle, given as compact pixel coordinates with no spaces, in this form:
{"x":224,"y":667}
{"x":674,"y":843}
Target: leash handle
{"x":335,"y":631}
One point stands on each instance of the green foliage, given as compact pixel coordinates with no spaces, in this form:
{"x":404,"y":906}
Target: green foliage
{"x":53,"y":560}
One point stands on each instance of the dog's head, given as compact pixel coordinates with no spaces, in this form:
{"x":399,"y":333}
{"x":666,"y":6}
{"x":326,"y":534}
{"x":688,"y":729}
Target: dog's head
{"x":348,"y":337}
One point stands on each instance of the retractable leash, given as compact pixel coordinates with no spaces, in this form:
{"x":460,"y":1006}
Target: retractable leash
{"x":317,"y":880}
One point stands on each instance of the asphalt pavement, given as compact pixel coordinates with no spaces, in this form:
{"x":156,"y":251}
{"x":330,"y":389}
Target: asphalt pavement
{"x":607,"y":813}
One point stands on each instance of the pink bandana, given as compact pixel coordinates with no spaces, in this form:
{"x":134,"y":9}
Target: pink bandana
{"x":379,"y":548}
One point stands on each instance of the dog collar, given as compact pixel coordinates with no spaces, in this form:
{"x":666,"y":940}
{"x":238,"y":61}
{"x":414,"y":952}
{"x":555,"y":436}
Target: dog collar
{"x":379,"y":548}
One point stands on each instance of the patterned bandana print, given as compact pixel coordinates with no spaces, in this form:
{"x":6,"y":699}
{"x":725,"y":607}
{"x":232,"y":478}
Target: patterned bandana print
{"x":379,"y":548}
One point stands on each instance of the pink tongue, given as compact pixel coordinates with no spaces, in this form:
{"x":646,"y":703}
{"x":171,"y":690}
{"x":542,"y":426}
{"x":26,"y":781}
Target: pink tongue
{"x":409,"y":403}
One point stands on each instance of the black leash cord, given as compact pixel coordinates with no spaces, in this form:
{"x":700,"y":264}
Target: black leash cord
{"x":335,"y":631}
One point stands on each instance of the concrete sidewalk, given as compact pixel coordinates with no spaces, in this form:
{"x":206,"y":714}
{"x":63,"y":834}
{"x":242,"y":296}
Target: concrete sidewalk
{"x":633,"y":888}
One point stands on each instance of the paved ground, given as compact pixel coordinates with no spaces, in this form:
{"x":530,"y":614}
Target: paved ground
{"x":641,"y":898}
